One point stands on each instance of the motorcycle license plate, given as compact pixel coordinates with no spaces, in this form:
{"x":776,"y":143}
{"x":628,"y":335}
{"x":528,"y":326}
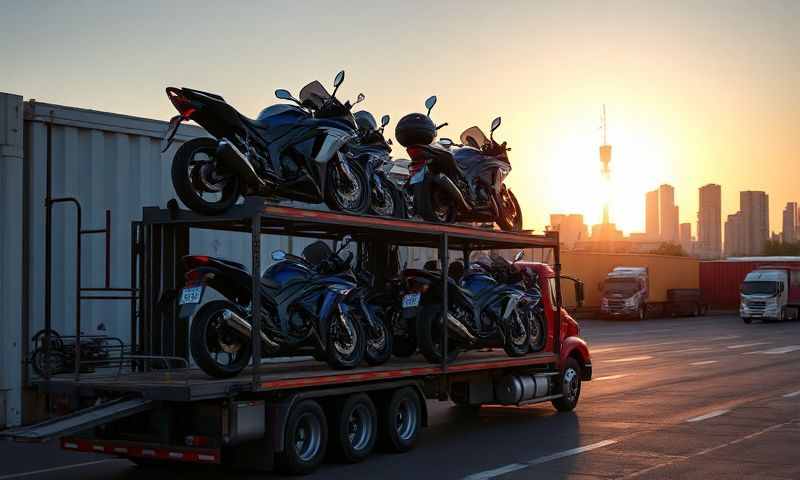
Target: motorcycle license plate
{"x":169,"y":133}
{"x":419,"y":176}
{"x":411,"y":300}
{"x":190,"y":295}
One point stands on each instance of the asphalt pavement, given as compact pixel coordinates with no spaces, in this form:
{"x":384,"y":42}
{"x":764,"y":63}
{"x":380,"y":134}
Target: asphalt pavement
{"x":694,"y":398}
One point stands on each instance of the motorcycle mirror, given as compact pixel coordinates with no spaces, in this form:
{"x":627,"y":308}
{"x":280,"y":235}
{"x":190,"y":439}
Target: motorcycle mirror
{"x":385,"y":120}
{"x":278,"y":255}
{"x":339,"y":79}
{"x":429,"y":103}
{"x":445,"y":142}
{"x":496,"y":123}
{"x":283,"y":94}
{"x":519,"y":256}
{"x":360,"y":98}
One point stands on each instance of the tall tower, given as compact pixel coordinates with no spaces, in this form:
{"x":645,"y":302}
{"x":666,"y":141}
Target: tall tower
{"x":605,"y":159}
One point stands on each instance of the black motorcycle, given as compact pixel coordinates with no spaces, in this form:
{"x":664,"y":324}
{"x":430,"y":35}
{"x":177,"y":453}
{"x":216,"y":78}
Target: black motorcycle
{"x":309,"y":306}
{"x":373,"y":153}
{"x":482,"y":312}
{"x":458,"y":184}
{"x":290,"y":151}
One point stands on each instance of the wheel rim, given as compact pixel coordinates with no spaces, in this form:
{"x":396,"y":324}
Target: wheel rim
{"x":204,"y":178}
{"x":348,"y":188}
{"x":345,"y":339}
{"x":518,"y":333}
{"x":307,"y":437}
{"x":537,"y":332}
{"x":441,"y":210}
{"x":377,"y":343}
{"x":221,"y":344}
{"x":360,"y":427}
{"x":571,"y":385}
{"x":509,"y":208}
{"x":405,"y":419}
{"x":383,"y":206}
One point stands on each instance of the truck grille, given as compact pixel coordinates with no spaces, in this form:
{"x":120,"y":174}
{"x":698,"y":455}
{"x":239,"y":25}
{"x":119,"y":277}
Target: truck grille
{"x":616,"y":304}
{"x":757,"y":306}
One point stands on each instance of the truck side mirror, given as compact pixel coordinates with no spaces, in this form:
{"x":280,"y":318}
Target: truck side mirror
{"x":579,"y":294}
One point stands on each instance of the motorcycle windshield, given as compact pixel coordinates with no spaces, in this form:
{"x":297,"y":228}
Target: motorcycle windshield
{"x":474,"y":137}
{"x":284,"y":272}
{"x":468,"y":158}
{"x":314,"y":95}
{"x":477,"y":282}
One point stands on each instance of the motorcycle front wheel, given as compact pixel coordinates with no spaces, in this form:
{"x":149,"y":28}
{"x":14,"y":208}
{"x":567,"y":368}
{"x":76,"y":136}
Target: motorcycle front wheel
{"x":390,"y":204}
{"x":216,"y":348}
{"x":518,"y":335}
{"x":379,"y":344}
{"x":432,"y":202}
{"x":510,"y":214}
{"x":200,"y":182}
{"x":346,"y":342}
{"x":347,"y":187}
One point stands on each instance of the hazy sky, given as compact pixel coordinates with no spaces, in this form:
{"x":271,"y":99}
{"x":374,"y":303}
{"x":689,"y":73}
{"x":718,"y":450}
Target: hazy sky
{"x":696,"y":92}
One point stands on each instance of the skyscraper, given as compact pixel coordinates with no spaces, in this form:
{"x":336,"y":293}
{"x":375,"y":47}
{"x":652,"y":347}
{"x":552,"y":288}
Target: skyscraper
{"x":791,"y":219}
{"x":668,"y":214}
{"x":754,"y":207}
{"x":709,"y":221}
{"x":734,"y":235}
{"x":570,"y":228}
{"x":686,"y":237}
{"x":651,"y":216}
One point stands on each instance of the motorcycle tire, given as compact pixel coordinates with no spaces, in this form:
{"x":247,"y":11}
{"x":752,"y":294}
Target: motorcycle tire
{"x":378,"y":349}
{"x":200,"y":336}
{"x":538,"y":331}
{"x":432,"y":203}
{"x":517,"y":335}
{"x":398,"y":207}
{"x":510,"y":218}
{"x":429,"y":334}
{"x":344,"y":356}
{"x":334,"y":198}
{"x":185,"y":182}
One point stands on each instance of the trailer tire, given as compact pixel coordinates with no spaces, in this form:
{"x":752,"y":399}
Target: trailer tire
{"x":570,"y":386}
{"x":305,"y":439}
{"x":401,"y":420}
{"x":353,"y":428}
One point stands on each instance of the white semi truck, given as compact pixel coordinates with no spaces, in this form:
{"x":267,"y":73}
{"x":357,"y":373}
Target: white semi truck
{"x":770,"y":293}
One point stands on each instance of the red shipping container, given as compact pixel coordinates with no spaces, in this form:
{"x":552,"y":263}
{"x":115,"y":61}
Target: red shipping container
{"x":720,"y":280}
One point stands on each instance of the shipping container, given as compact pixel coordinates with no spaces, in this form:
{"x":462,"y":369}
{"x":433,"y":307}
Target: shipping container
{"x":720,"y":279}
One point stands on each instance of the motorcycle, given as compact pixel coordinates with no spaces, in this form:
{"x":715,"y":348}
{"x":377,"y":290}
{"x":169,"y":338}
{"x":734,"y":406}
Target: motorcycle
{"x":458,"y":184}
{"x":482,"y":312}
{"x":289,"y":152}
{"x":308,"y":306}
{"x":372,"y":151}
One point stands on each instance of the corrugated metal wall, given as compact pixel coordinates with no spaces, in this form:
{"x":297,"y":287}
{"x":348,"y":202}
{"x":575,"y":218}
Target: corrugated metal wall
{"x":721,"y":280}
{"x":107,"y":161}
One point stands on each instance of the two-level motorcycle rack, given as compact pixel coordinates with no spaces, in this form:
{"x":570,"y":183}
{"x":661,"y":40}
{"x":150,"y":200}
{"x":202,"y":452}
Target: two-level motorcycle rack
{"x":162,"y":237}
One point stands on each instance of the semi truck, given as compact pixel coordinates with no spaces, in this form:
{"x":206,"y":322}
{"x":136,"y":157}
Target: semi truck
{"x":291,"y":415}
{"x":626,"y":293}
{"x":770,"y":293}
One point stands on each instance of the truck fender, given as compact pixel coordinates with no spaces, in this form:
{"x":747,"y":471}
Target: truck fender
{"x":577,"y":348}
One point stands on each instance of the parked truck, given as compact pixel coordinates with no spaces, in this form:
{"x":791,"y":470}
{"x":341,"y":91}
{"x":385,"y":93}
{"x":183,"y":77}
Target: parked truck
{"x":626,"y":294}
{"x":293,"y":414}
{"x":770,"y":293}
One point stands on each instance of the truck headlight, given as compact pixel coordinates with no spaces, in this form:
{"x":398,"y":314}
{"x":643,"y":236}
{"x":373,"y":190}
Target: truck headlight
{"x":630,"y":302}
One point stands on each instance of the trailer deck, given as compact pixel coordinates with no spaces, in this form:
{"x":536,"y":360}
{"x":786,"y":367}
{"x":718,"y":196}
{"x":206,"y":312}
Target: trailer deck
{"x":192,"y":384}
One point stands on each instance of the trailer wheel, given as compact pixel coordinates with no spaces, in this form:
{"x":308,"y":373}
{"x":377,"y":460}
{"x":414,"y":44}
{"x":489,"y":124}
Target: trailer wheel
{"x":400,"y":420}
{"x":570,"y":387}
{"x":305,"y":439}
{"x":354,"y":429}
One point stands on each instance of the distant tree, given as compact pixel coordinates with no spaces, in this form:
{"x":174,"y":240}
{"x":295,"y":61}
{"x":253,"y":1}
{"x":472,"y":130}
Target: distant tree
{"x":776,"y":248}
{"x":671,"y":249}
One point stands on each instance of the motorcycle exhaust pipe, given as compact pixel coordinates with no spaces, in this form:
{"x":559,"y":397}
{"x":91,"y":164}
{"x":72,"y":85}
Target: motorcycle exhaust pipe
{"x":243,"y":327}
{"x":232,"y":157}
{"x":444,"y":182}
{"x":459,"y":329}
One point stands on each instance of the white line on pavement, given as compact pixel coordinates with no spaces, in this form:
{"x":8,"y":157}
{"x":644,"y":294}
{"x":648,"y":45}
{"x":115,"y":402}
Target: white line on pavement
{"x":630,"y":359}
{"x":513,"y":467}
{"x":726,"y":337}
{"x":705,"y":362}
{"x":793,"y":394}
{"x":687,"y":350}
{"x":715,"y":413}
{"x":57,"y":469}
{"x":610,"y":377}
{"x":776,"y":351}
{"x":745,"y":345}
{"x":603,"y":350}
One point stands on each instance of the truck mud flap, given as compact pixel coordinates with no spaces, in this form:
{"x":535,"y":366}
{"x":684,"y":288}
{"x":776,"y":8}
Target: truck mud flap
{"x":78,"y":421}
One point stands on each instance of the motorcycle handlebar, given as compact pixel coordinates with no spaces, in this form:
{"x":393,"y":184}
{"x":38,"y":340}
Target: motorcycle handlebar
{"x":442,"y":125}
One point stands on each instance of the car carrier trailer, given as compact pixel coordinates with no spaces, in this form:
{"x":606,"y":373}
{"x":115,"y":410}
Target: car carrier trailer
{"x":289,"y":414}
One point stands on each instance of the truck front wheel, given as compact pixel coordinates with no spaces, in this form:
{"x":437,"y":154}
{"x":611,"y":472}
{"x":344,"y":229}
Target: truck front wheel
{"x":747,"y":320}
{"x":305,"y":439}
{"x":570,"y":387}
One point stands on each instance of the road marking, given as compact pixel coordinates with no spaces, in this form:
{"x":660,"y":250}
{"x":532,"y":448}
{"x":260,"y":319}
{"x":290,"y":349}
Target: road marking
{"x":57,"y":469}
{"x":708,"y":450}
{"x":745,"y":345}
{"x":776,"y":351}
{"x":705,"y":362}
{"x":793,"y":394}
{"x":630,"y":359}
{"x":715,"y":413}
{"x":610,"y":377}
{"x":602,"y":350}
{"x":687,"y":350}
{"x":726,"y":337}
{"x":537,"y":461}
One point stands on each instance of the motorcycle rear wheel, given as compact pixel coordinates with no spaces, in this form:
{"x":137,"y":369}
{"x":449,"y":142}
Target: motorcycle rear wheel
{"x":432,"y":203}
{"x":198,"y":182}
{"x":429,"y":335}
{"x":208,"y":339}
{"x":354,"y":200}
